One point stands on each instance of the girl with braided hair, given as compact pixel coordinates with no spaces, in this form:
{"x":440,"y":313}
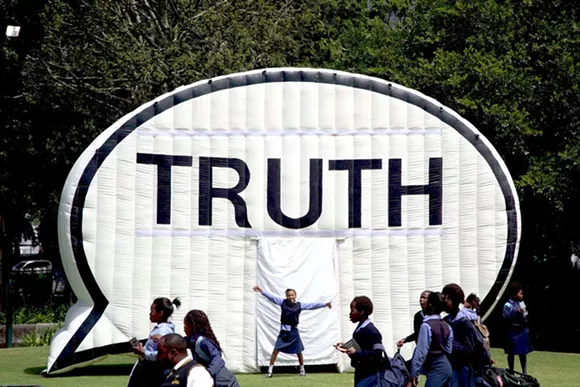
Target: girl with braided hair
{"x":206,"y":349}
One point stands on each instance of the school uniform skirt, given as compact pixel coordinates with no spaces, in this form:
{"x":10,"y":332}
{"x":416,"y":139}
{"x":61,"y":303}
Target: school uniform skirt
{"x":438,"y":372}
{"x":518,"y":342}
{"x":289,"y":341}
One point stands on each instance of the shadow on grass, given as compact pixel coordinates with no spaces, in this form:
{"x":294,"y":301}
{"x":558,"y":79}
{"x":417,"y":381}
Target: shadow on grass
{"x":93,"y":370}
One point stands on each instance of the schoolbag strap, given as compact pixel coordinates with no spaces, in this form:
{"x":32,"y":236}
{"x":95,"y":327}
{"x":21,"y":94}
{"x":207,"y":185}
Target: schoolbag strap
{"x":199,"y":352}
{"x":381,"y":347}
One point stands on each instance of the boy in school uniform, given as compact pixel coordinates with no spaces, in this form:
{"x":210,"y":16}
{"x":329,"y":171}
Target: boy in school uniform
{"x":367,"y":362}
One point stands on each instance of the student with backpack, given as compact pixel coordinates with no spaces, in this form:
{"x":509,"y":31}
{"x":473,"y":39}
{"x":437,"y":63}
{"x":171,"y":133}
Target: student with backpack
{"x":367,"y":361}
{"x":472,"y":306}
{"x":434,"y":346}
{"x":206,"y":349}
{"x":469,"y":356}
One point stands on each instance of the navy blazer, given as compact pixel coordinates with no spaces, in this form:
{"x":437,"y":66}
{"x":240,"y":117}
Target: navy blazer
{"x":367,"y":361}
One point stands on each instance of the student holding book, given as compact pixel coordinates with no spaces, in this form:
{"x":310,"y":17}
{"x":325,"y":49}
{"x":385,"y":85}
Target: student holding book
{"x":365,"y":349}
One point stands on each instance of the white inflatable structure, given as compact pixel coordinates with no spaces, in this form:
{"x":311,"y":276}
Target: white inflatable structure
{"x":331,"y":183}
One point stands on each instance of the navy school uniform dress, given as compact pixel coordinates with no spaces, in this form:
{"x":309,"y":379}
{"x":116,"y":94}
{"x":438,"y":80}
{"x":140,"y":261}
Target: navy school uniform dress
{"x":206,"y":353}
{"x":463,"y":345}
{"x":289,"y":340}
{"x":518,"y":335}
{"x":368,"y":363}
{"x":431,"y":356}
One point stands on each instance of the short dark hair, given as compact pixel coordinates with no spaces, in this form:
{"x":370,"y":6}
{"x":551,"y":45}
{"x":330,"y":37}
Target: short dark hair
{"x":455,"y":293}
{"x":474,"y":301}
{"x":174,"y":341}
{"x":290,"y":290}
{"x":435,"y":303}
{"x":515,"y":288}
{"x":165,"y":306}
{"x":363,"y":304}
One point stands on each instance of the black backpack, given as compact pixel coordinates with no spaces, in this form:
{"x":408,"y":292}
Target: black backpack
{"x":516,"y":379}
{"x":500,"y":377}
{"x":396,"y":372}
{"x":493,"y":376}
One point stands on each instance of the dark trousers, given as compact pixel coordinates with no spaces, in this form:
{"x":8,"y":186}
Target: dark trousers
{"x":146,"y":374}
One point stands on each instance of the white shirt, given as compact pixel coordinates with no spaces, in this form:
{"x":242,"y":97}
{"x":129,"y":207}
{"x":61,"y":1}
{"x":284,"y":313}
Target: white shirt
{"x":198,"y":375}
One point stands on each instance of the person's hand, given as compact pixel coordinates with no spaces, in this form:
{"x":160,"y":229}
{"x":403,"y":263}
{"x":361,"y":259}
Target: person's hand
{"x":138,"y":350}
{"x":329,"y":305}
{"x":400,"y":343}
{"x":415,"y":381}
{"x":257,"y":289}
{"x":348,"y":351}
{"x":521,"y":310}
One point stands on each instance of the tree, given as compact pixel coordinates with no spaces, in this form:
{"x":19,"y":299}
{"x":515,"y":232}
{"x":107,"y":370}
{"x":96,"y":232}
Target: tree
{"x":512,"y":69}
{"x":90,"y":62}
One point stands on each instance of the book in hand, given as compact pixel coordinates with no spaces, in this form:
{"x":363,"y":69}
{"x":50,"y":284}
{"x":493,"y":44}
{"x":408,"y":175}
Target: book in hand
{"x":351,"y":344}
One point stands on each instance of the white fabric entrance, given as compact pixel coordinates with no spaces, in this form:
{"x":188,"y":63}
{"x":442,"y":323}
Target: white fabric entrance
{"x":310,"y":266}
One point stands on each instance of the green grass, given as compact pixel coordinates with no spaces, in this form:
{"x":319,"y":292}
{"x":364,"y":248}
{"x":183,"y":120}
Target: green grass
{"x":22,"y":366}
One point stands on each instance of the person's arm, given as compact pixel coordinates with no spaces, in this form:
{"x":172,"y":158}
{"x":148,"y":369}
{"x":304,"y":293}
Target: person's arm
{"x":409,"y":339}
{"x":422,"y":350}
{"x":150,"y":349}
{"x":449,"y":342}
{"x":199,"y":377}
{"x":417,"y":321}
{"x":315,"y":305}
{"x":511,"y":314}
{"x":370,"y":356}
{"x":216,"y":363}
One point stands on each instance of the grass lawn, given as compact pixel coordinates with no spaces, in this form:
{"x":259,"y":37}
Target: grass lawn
{"x":22,"y":366}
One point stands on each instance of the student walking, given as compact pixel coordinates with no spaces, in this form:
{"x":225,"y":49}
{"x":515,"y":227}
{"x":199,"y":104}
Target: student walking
{"x":434,"y":346}
{"x":417,"y":320}
{"x":206,"y":349}
{"x":368,"y":361}
{"x":148,"y":372}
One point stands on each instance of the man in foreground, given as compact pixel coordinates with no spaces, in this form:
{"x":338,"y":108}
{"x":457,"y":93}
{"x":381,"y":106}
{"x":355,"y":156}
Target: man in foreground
{"x":172,"y":350}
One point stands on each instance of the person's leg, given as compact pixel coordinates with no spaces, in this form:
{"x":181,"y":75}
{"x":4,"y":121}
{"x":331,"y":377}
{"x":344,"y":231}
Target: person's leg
{"x":511,"y":363}
{"x":272,"y":361}
{"x":301,"y":362}
{"x":523,"y":362}
{"x":455,"y":378}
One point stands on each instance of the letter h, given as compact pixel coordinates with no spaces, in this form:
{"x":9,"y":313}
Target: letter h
{"x":434,"y":189}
